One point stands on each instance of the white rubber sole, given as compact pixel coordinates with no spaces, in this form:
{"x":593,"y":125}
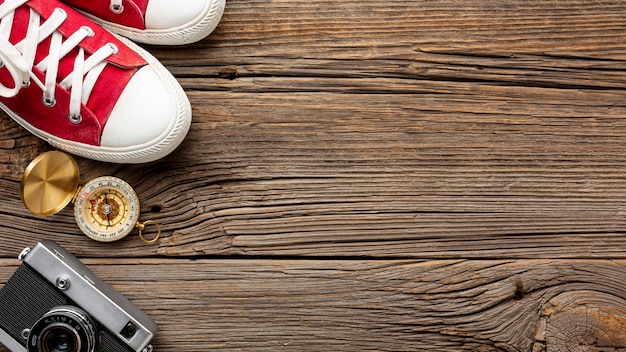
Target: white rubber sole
{"x":153,"y":150}
{"x":191,"y":32}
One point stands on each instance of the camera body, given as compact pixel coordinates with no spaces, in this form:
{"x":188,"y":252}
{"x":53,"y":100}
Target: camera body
{"x":53,"y":303}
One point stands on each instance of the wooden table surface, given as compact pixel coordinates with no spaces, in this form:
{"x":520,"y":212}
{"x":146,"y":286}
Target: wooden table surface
{"x":377,"y":176}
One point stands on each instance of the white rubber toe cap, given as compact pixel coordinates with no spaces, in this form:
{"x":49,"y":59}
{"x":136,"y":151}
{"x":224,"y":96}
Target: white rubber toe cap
{"x":169,"y":22}
{"x":168,"y":14}
{"x":143,"y":115}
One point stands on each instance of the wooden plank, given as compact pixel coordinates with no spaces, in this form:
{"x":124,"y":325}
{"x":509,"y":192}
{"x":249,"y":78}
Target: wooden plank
{"x":381,"y":305}
{"x":295,"y":177}
{"x":404,"y":129}
{"x":390,"y":176}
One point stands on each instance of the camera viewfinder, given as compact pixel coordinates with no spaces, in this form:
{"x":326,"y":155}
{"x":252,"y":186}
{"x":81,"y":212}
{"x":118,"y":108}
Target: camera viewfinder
{"x":129,"y":330}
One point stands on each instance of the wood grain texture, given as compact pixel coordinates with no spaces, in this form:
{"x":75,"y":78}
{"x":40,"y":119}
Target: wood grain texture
{"x":385,"y":176}
{"x":382,"y":305}
{"x":401,"y":129}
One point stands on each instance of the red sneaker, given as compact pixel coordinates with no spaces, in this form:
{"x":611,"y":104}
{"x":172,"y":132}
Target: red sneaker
{"x":165,"y":22}
{"x":123,"y":105}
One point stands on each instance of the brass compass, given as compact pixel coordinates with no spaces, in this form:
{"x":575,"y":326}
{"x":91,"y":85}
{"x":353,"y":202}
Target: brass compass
{"x":106,"y":208}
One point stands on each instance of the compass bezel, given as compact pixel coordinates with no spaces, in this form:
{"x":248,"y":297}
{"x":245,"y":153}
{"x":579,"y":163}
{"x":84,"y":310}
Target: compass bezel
{"x":94,"y":230}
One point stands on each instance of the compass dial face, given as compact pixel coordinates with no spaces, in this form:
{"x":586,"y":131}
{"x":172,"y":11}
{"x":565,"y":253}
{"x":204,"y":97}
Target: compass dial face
{"x":106,"y":209}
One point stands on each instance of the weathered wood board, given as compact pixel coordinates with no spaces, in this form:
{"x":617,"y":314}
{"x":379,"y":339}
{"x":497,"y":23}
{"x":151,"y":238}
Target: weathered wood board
{"x":382,"y":305}
{"x":385,"y":176}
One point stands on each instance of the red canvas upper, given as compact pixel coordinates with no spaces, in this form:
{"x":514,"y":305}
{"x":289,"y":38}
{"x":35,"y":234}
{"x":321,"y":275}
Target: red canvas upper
{"x":132,"y":16}
{"x":54,"y":120}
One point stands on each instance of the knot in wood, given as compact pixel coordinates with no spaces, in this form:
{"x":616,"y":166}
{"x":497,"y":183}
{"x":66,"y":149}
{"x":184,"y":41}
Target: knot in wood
{"x":583,"y":321}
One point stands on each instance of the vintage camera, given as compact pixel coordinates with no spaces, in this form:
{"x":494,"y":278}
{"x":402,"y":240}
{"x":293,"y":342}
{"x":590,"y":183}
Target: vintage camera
{"x":53,"y":303}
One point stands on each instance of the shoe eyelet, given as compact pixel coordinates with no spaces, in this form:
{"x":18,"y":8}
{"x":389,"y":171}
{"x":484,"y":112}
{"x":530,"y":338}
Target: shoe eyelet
{"x":117,"y":9}
{"x":26,"y":84}
{"x":75,"y":119}
{"x":48,"y":102}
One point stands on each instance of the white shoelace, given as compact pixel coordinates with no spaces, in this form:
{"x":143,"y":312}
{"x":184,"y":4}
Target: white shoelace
{"x":19,"y":59}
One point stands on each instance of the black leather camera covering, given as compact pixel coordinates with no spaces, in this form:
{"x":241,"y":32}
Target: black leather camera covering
{"x":27,"y":296}
{"x":24,"y":299}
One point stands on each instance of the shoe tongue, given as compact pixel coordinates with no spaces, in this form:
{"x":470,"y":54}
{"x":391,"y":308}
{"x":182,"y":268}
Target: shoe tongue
{"x":125,"y":57}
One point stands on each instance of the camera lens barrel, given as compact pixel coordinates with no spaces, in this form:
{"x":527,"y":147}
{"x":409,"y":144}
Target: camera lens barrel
{"x":63,"y":329}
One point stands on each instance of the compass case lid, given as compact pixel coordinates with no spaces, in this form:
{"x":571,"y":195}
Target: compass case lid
{"x":49,"y":183}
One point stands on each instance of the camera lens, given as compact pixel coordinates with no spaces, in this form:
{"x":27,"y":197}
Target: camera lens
{"x":63,"y":329}
{"x":60,"y":338}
